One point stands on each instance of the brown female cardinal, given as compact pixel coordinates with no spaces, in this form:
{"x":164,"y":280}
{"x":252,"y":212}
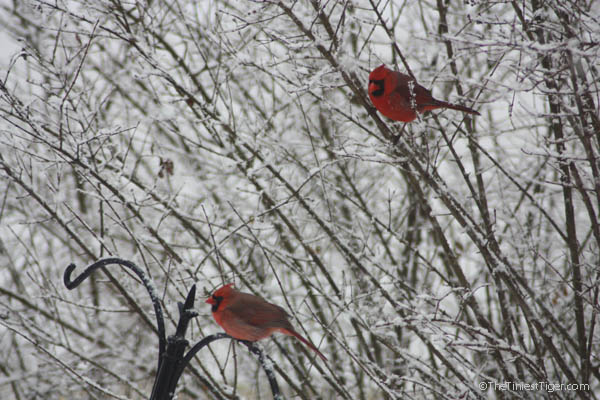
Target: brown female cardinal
{"x":400,"y":97}
{"x":248,"y":317}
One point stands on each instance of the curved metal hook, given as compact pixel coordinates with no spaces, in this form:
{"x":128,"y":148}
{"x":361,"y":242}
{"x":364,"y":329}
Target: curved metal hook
{"x":251,"y":347}
{"x":72,"y":284}
{"x":266,"y":366}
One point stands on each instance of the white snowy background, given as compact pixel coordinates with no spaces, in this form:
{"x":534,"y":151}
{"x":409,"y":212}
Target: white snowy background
{"x":233,"y":141}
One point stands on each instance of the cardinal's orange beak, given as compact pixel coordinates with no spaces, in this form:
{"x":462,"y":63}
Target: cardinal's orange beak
{"x":210,"y":301}
{"x":372,"y":87}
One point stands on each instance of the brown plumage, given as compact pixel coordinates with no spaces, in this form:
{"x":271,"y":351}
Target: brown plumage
{"x":248,"y":317}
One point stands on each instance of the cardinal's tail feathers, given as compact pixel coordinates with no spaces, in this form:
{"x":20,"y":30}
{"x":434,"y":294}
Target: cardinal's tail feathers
{"x":306,"y":342}
{"x":443,"y":104}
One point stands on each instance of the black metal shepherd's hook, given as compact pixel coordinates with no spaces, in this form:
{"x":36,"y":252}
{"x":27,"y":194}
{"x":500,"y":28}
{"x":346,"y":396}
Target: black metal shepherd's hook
{"x":171,"y":358}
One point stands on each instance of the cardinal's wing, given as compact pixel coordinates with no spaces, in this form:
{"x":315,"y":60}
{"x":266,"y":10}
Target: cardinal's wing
{"x":414,"y":95}
{"x":255,"y":311}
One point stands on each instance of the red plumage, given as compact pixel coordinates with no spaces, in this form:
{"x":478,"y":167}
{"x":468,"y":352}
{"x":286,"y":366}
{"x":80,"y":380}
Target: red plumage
{"x":400,"y":97}
{"x":248,"y":317}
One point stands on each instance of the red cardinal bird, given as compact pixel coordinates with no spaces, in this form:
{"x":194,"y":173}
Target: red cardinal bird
{"x":400,"y":97}
{"x":248,"y":317}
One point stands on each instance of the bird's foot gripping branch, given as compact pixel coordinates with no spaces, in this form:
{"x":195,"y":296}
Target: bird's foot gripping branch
{"x":171,"y":358}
